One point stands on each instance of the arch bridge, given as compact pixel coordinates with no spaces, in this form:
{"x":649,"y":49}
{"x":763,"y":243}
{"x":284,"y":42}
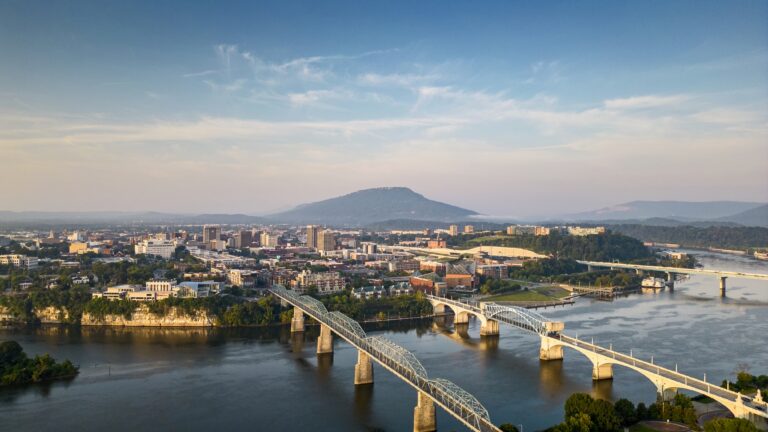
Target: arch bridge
{"x":553,"y":340}
{"x":396,"y":359}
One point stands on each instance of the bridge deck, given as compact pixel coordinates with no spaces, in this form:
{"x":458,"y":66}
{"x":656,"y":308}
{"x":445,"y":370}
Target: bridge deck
{"x":678,"y":270}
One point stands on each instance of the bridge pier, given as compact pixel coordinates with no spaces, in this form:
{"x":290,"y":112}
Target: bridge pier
{"x":489,"y":328}
{"x":602,"y":371}
{"x":671,"y":281}
{"x":424,"y":414}
{"x":461,"y":318}
{"x":549,"y":350}
{"x":325,"y":340}
{"x":363,"y":369}
{"x":722,"y":285}
{"x":667,"y":394}
{"x":638,"y":272}
{"x":297,"y":322}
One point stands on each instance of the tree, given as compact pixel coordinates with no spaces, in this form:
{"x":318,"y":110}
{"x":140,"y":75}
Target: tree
{"x":508,"y":427}
{"x":578,"y":423}
{"x":626,"y":411}
{"x":729,"y":425}
{"x":578,"y":403}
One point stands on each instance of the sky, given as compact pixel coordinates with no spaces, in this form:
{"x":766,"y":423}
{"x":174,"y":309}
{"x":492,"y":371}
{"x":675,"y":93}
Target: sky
{"x":514,"y":109}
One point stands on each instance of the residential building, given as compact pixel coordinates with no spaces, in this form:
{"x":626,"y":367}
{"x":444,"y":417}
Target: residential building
{"x":581,"y":231}
{"x":369,"y":292}
{"x":453,"y":230}
{"x":493,"y":271}
{"x":469,"y":229}
{"x":430,"y":283}
{"x":162,"y":248}
{"x":242,"y":278}
{"x":326,"y":241}
{"x":325,"y":283}
{"x":19,"y":261}
{"x":521,"y":230}
{"x":401,"y":288}
{"x":460,"y":274}
{"x":432,"y":267}
{"x":541,"y":231}
{"x":407,"y":265}
{"x":435,"y":244}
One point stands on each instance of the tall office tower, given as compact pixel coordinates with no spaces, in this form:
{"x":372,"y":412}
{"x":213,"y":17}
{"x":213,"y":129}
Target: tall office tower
{"x":326,"y":241}
{"x":243,"y":239}
{"x":453,"y":230}
{"x":210,"y":233}
{"x":311,"y":236}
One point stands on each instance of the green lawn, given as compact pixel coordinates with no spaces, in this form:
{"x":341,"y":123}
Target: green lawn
{"x":544,"y":293}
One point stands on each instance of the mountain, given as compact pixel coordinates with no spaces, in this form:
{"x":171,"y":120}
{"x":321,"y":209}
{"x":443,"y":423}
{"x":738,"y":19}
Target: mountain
{"x":757,"y":216}
{"x":678,"y":210}
{"x":373,"y":205}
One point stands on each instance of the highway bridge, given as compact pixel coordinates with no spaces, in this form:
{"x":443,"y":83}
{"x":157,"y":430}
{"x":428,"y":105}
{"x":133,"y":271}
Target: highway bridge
{"x":553,"y":340}
{"x":671,"y":271}
{"x":401,"y":362}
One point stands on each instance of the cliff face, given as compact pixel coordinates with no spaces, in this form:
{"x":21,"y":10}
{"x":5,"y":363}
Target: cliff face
{"x":51,"y":315}
{"x":141,"y":317}
{"x":5,"y":315}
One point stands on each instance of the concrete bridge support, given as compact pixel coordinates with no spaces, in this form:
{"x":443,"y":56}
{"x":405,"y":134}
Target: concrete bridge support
{"x":424,"y":414}
{"x":363,"y":369}
{"x":297,"y":322}
{"x":722,"y":285}
{"x":325,"y":340}
{"x":671,"y":281}
{"x":638,"y":272}
{"x":489,"y":328}
{"x":602,"y":371}
{"x":461,"y":318}
{"x":550,"y":350}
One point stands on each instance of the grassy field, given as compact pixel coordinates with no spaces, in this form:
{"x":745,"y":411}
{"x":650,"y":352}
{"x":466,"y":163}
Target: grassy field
{"x":544,"y":293}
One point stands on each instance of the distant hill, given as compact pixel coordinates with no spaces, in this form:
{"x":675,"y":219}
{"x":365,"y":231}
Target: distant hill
{"x":677,"y":210}
{"x":757,"y":216}
{"x":372,"y":205}
{"x":117,"y":217}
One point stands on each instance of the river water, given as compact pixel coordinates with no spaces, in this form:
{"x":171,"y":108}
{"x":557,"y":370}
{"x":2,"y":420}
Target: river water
{"x":266,"y":380}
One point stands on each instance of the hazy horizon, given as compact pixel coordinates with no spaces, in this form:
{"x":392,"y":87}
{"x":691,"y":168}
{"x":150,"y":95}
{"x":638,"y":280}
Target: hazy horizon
{"x":508,"y":109}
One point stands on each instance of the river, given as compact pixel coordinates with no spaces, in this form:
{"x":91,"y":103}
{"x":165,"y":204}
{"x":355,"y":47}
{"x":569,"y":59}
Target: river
{"x":266,"y":380}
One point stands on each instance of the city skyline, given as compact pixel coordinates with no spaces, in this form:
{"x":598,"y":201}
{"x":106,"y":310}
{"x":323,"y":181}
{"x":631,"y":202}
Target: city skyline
{"x":509,"y":109}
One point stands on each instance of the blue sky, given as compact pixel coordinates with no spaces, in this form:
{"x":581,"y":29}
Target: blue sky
{"x":508,"y":108}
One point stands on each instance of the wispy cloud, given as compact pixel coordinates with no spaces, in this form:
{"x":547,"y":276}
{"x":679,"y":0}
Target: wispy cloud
{"x":648,"y":101}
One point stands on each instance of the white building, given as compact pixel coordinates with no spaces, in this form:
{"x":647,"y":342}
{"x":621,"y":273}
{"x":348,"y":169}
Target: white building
{"x":161,"y":248}
{"x":19,"y":261}
{"x":581,"y":231}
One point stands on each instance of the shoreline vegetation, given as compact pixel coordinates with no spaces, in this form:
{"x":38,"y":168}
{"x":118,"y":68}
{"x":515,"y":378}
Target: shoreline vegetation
{"x":218,"y":311}
{"x":18,"y":369}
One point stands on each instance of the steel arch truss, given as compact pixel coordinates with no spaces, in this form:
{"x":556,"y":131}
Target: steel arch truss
{"x":517,"y":316}
{"x":397,"y":354}
{"x":312,"y":304}
{"x":460,"y":401}
{"x":346,"y":323}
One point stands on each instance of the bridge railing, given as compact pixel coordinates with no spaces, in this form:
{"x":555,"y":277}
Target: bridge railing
{"x":688,"y":380}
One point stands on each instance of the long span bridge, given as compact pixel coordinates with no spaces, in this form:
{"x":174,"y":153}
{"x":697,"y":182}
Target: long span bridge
{"x":401,"y":362}
{"x":553,"y":340}
{"x":671,"y":271}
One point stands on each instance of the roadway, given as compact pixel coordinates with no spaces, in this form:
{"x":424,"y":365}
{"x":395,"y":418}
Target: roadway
{"x":676,"y":270}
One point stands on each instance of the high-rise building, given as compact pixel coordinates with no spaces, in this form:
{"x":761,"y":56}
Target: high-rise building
{"x":268,"y":240}
{"x":453,"y":230}
{"x":242,"y":239}
{"x":311,"y":236}
{"x":210,"y":233}
{"x":326,"y":241}
{"x":469,"y":229}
